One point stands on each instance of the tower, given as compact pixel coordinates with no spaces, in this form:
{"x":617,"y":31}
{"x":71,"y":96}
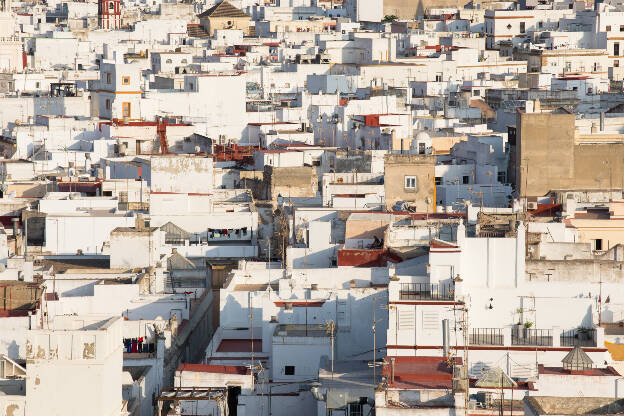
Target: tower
{"x":109,"y":14}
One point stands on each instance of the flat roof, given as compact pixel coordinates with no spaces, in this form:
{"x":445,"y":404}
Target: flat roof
{"x":240,"y":345}
{"x":218,"y":369}
{"x":300,"y":330}
{"x":414,"y":373}
{"x":549,"y":405}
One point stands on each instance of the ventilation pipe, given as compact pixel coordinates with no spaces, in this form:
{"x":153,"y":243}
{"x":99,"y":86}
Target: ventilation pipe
{"x":445,"y":337}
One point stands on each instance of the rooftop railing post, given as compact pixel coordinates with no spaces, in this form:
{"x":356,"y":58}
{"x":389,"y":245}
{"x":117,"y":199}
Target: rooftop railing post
{"x":507,"y":336}
{"x":556,"y":336}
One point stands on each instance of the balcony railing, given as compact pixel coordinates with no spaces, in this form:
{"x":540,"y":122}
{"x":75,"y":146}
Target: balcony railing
{"x":581,"y":337}
{"x":426,"y":291}
{"x":533,"y":337}
{"x":486,"y":336}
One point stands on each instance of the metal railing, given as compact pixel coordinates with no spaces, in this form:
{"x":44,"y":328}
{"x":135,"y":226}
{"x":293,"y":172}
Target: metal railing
{"x":580,"y":336}
{"x":486,"y":336}
{"x":426,"y":291}
{"x":534,"y":337}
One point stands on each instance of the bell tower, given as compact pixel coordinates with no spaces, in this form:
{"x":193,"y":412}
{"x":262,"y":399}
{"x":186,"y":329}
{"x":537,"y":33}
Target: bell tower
{"x":109,"y":14}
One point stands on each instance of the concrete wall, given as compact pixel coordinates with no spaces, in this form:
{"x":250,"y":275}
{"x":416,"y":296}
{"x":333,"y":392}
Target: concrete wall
{"x":407,"y":9}
{"x":182,"y":174}
{"x":549,"y":155}
{"x":398,"y":167}
{"x":61,"y":361}
{"x":290,"y":182}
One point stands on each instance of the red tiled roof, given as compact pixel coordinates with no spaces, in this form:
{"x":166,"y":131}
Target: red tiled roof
{"x":594,"y":372}
{"x":420,"y":372}
{"x":240,"y":345}
{"x":220,"y":369}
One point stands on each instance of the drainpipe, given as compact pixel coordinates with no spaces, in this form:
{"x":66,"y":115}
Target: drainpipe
{"x":445,"y":337}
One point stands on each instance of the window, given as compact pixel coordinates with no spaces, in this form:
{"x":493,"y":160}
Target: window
{"x":108,"y":77}
{"x":356,"y":409}
{"x":289,"y":370}
{"x":522,"y":27}
{"x":37,"y":84}
{"x":616,"y":48}
{"x":608,"y":28}
{"x":466,"y":180}
{"x":125,"y":80}
{"x":616,"y":63}
{"x":508,"y":27}
{"x":107,"y":104}
{"x":621,"y":28}
{"x":111,"y":6}
{"x":438,"y":180}
{"x":598,"y":244}
{"x":501,"y":177}
{"x":168,"y":61}
{"x":184,"y":61}
{"x":125,"y":109}
{"x":476,"y":93}
{"x":410,"y":182}
{"x":439,"y":77}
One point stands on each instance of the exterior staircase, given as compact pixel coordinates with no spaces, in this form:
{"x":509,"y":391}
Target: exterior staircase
{"x":196,"y":31}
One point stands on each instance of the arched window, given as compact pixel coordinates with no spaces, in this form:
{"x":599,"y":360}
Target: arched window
{"x":111,"y":6}
{"x":168,"y":61}
{"x":184,"y":61}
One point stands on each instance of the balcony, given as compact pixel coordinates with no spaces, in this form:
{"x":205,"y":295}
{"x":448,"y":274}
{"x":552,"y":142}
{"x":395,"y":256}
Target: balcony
{"x":583,"y":337}
{"x":532,"y":337}
{"x":426,"y":291}
{"x":519,"y":336}
{"x":487,"y":336}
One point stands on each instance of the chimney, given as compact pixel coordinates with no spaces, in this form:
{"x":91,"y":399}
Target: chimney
{"x":15,"y":226}
{"x":139,"y":223}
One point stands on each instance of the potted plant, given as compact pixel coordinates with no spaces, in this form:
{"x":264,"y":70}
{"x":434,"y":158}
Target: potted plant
{"x":527,"y":326}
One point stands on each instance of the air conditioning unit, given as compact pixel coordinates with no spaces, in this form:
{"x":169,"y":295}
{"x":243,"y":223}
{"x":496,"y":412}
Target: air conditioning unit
{"x":532,"y":205}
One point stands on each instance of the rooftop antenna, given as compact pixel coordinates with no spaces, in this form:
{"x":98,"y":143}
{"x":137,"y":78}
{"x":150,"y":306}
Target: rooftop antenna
{"x":374,"y":363}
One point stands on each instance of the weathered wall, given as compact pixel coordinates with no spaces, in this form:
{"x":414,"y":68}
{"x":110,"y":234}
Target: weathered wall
{"x":16,"y":295}
{"x":408,"y":9}
{"x":182,"y":174}
{"x":397,"y":167}
{"x":549,"y":156}
{"x":293,"y":182}
{"x":545,"y":152}
{"x":367,"y":229}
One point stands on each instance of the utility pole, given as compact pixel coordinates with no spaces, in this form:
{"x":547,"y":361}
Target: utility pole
{"x":252,"y":338}
{"x":330,"y":328}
